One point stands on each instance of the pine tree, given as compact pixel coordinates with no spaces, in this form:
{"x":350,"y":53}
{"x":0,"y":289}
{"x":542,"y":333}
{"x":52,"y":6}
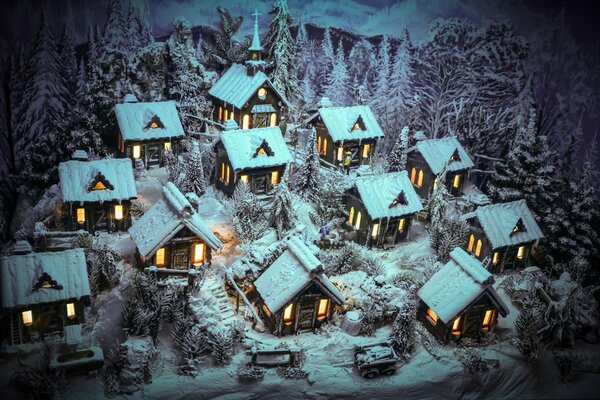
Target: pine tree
{"x":19,"y":76}
{"x":200,"y":54}
{"x":307,"y":92}
{"x":309,"y":176}
{"x":282,"y":213}
{"x":400,"y":78}
{"x":337,"y":88}
{"x":115,"y":32}
{"x":282,"y":50}
{"x":300,"y":60}
{"x":69,"y":63}
{"x":382,"y":80}
{"x":326,"y":61}
{"x":224,"y":50}
{"x":194,"y":174}
{"x":402,"y":337}
{"x":397,"y":157}
{"x":247,"y":214}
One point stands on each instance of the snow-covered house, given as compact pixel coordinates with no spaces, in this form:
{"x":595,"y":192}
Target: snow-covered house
{"x":97,"y":194}
{"x":256,"y":156}
{"x":42,"y":293}
{"x":147,"y":129}
{"x":246,"y":95}
{"x":172,"y":236}
{"x":346,"y":131}
{"x":294,"y":294}
{"x":428,"y":159}
{"x":380,"y":208}
{"x":502,"y":235}
{"x":459,"y":300}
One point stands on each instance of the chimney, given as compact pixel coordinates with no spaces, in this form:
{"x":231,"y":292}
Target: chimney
{"x":130,"y":98}
{"x":231,"y":125}
{"x":22,"y":247}
{"x":80,"y":155}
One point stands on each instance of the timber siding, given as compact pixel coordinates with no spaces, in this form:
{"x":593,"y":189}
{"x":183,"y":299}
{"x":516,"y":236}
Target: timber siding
{"x":425,"y":190}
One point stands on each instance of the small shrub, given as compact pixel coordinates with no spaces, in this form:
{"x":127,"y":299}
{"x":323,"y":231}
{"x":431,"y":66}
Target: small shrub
{"x":250,"y":373}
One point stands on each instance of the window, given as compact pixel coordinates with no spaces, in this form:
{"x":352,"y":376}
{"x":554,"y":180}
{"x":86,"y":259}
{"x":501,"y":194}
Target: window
{"x":262,"y":93}
{"x":456,"y":326}
{"x":266,"y":310}
{"x":324,"y":146}
{"x":225,"y":172}
{"x":478,"y":248}
{"x":287,"y":314}
{"x":137,"y":151}
{"x":261,"y":152}
{"x":471,"y":242}
{"x":401,"y":225}
{"x":521,"y":253}
{"x":496,"y":258}
{"x":351,"y":215}
{"x":322,"y":311}
{"x":70,"y":310}
{"x":340,"y":153}
{"x":375,"y":231}
{"x":167,"y":145}
{"x":413,"y":175}
{"x":246,"y":122}
{"x":274,"y":177}
{"x":319,"y":144}
{"x":432,"y":316}
{"x":456,"y":182}
{"x":81,"y":215}
{"x":435,"y":183}
{"x":225,"y":115}
{"x":487,"y":319}
{"x":366,"y":150}
{"x":228,"y":171}
{"x":254,"y":57}
{"x":220,"y":113}
{"x":273,"y":119}
{"x":231,"y":116}
{"x":153,"y":125}
{"x":198,"y":256}
{"x":27,"y":317}
{"x":99,"y":186}
{"x":420,"y":182}
{"x":160,"y":257}
{"x":244,"y":178}
{"x":357,"y":222}
{"x":118,"y":212}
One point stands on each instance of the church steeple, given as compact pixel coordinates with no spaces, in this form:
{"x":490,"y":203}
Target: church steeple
{"x":255,"y":62}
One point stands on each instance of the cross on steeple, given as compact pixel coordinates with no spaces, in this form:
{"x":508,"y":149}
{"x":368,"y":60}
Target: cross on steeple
{"x":256,"y":46}
{"x":255,"y":63}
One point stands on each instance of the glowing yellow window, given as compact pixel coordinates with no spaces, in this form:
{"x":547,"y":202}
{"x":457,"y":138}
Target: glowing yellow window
{"x":118,"y":212}
{"x":319,"y":144}
{"x":99,"y":186}
{"x":375,"y":231}
{"x":322,"y":311}
{"x":287,"y":314}
{"x":246,"y":122}
{"x":521,"y":253}
{"x":262,"y":93}
{"x":356,"y":127}
{"x":456,"y":326}
{"x":137,"y":151}
{"x":70,"y":310}
{"x":254,"y":56}
{"x":244,"y":178}
{"x":471,"y":242}
{"x":227,"y":173}
{"x":432,"y":316}
{"x":456,"y":182}
{"x":413,"y":175}
{"x":167,"y":145}
{"x":198,"y":253}
{"x":487,"y":319}
{"x":435,"y":183}
{"x":478,"y":248}
{"x":261,"y":151}
{"x":220,"y":113}
{"x":324,"y":146}
{"x":496,"y":258}
{"x":81,"y":215}
{"x":153,"y":125}
{"x":160,"y":257}
{"x":340,"y":153}
{"x":222,"y":171}
{"x":273,"y":119}
{"x":420,"y":182}
{"x":357,"y":222}
{"x":366,"y":150}
{"x":225,"y":115}
{"x":274,"y":177}
{"x":351,"y":215}
{"x":401,"y":225}
{"x":231,"y":115}
{"x":27,"y":317}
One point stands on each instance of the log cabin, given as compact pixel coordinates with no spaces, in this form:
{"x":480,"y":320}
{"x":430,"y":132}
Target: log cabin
{"x":97,"y":194}
{"x":146,"y":129}
{"x":171,"y":236}
{"x":502,"y":235}
{"x":380,"y":208}
{"x":346,"y":132}
{"x":42,"y":293}
{"x":256,"y":156}
{"x":294,"y":295}
{"x":459,"y":300}
{"x":428,"y":159}
{"x":246,"y":95}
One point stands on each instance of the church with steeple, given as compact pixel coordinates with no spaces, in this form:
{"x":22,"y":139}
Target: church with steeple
{"x":245,"y":95}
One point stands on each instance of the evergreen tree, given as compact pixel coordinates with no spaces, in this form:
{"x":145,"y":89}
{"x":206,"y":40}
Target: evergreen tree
{"x":309,"y":177}
{"x":69,"y":63}
{"x":402,"y":337}
{"x":362,"y":65}
{"x":326,"y":61}
{"x":200,"y":54}
{"x":194,"y":174}
{"x":19,"y":74}
{"x":282,"y":213}
{"x":397,"y":157}
{"x":247,"y":214}
{"x":400,"y":78}
{"x":302,"y":48}
{"x":224,"y":50}
{"x":115,"y":31}
{"x":382,"y":80}
{"x":337,"y":88}
{"x":282,"y":50}
{"x":307,"y":92}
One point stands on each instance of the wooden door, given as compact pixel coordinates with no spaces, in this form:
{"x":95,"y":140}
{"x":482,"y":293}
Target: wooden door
{"x":100,"y":220}
{"x":181,"y":257}
{"x":260,"y":184}
{"x":261,"y":120}
{"x":152,"y":155}
{"x":306,"y":315}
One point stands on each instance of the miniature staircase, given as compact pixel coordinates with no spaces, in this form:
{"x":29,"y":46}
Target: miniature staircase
{"x":214,"y":284}
{"x":16,"y":331}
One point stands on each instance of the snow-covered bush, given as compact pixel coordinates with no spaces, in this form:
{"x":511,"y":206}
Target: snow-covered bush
{"x":472,"y":360}
{"x":221,"y":341}
{"x":526,"y":328}
{"x":247,"y":214}
{"x":141,"y":314}
{"x":351,"y":257}
{"x":403,"y":331}
{"x":564,"y":363}
{"x":38,"y":381}
{"x":173,"y":302}
{"x":193,"y":342}
{"x":249,"y":373}
{"x":102,"y":261}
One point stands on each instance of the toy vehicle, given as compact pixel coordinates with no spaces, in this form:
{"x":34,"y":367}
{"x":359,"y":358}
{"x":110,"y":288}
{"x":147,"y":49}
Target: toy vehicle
{"x":375,"y":359}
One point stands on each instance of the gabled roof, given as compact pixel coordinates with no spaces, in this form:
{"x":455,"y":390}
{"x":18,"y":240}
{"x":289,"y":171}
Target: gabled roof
{"x":167,"y":217}
{"x":499,"y":220}
{"x":294,"y":270}
{"x":340,"y":121}
{"x":439,"y":152}
{"x":134,"y":120}
{"x":460,"y":282}
{"x":76,"y":177}
{"x":241,"y":146}
{"x":236,"y":87}
{"x":378,"y":194}
{"x":21,"y":274}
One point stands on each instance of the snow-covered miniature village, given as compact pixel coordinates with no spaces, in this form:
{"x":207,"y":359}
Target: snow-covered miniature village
{"x":297,"y":201}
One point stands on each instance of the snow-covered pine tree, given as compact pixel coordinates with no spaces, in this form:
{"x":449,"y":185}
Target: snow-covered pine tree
{"x":301,"y":45}
{"x":307,"y":92}
{"x":247,"y":214}
{"x":329,"y":198}
{"x":66,"y":52}
{"x":282,"y":214}
{"x":403,"y":330}
{"x":282,"y":50}
{"x":397,"y":158}
{"x":308,"y":177}
{"x":19,"y":76}
{"x":326,"y":58}
{"x":382,"y":79}
{"x":194,"y":174}
{"x":115,"y":31}
{"x":174,"y":168}
{"x":224,"y":50}
{"x":133,"y":30}
{"x":338,"y":84}
{"x":362,"y":63}
{"x":200,"y":54}
{"x":400,"y":79}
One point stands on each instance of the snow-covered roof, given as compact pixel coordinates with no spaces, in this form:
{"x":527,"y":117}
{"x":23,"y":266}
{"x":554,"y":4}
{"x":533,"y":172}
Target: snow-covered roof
{"x":388,"y":195}
{"x":236,"y":87}
{"x":341,"y":120}
{"x":77,"y":177}
{"x":439,"y":152}
{"x":21,"y":274}
{"x":262,"y":108}
{"x":499,"y":220}
{"x":167,"y":217}
{"x":135,"y":119}
{"x":242,"y":147}
{"x":293,"y":271}
{"x":462,"y":280}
